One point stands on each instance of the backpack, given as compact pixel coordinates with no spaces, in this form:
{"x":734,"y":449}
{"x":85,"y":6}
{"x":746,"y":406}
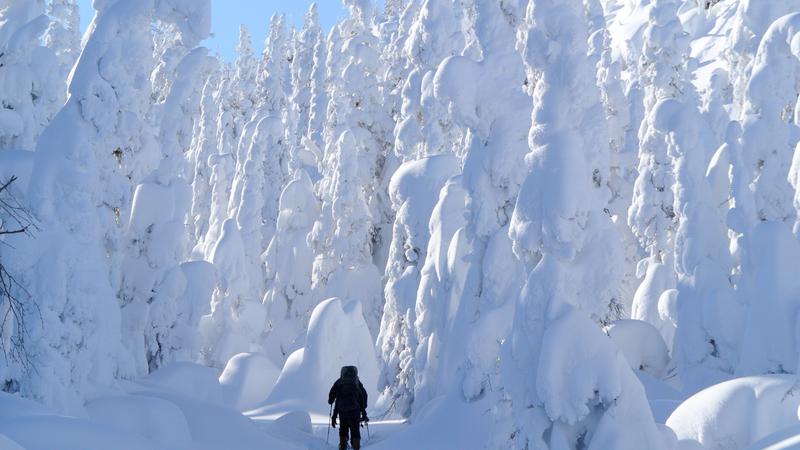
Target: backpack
{"x":348,"y":396}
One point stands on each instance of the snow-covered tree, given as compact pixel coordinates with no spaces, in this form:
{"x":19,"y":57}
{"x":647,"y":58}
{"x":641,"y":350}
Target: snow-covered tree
{"x":751,"y":21}
{"x":303,"y":79}
{"x":765,"y":242}
{"x":481,"y":279}
{"x":318,"y":103}
{"x":560,"y":229}
{"x":153,"y":281}
{"x":357,"y":125}
{"x":222,"y":162}
{"x":203,"y":146}
{"x":289,"y":259}
{"x":651,"y":215}
{"x":85,"y":162}
{"x":63,"y":35}
{"x":256,"y":212}
{"x":342,"y":237}
{"x":435,"y":34}
{"x":30,"y":85}
{"x":244,"y":79}
{"x":410,"y":190}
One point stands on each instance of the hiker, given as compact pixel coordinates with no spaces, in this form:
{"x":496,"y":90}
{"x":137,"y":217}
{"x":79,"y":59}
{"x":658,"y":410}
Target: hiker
{"x":351,"y":406}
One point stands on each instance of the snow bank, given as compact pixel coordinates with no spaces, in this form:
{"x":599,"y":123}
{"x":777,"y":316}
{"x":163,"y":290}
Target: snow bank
{"x":734,"y":414}
{"x":295,"y":426}
{"x":786,"y":439}
{"x":14,"y":405}
{"x":642,"y":345}
{"x":247,"y":380}
{"x":444,"y":423}
{"x":337,"y":336}
{"x":153,"y":418}
{"x":49,"y":432}
{"x":187,"y":379}
{"x":215,"y":427}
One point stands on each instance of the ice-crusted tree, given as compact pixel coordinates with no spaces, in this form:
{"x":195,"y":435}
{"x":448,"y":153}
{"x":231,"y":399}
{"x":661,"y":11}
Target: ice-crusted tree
{"x":622,"y":163}
{"x":423,"y":127}
{"x":318,"y":101}
{"x":236,"y":321}
{"x":342,"y":237}
{"x":303,"y":79}
{"x":751,"y":21}
{"x":651,"y":216}
{"x":153,"y":282}
{"x":705,"y":340}
{"x":582,"y":393}
{"x":222,"y":162}
{"x":256,"y":212}
{"x":262,"y":166}
{"x":410,"y":190}
{"x":458,"y":354}
{"x":331,"y":126}
{"x":392,"y":31}
{"x":358,"y":125}
{"x":85,"y":162}
{"x":31,"y":87}
{"x":289,"y":259}
{"x":63,"y":35}
{"x":765,"y":241}
{"x":274,"y":75}
{"x":203,"y":146}
{"x":244,"y":79}
{"x":255,"y":98}
{"x":434,"y":35}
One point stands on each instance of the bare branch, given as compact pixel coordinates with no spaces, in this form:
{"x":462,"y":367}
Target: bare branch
{"x":15,"y":300}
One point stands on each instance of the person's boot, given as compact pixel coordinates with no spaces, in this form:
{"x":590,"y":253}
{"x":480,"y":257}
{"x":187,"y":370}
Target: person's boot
{"x":342,"y":443}
{"x":356,"y":444}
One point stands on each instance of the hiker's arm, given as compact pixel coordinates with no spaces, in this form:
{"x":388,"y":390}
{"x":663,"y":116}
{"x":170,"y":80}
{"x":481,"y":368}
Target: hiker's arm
{"x":332,"y":393}
{"x":364,"y":393}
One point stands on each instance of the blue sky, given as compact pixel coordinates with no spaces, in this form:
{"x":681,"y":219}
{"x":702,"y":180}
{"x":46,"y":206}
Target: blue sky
{"x":255,"y":14}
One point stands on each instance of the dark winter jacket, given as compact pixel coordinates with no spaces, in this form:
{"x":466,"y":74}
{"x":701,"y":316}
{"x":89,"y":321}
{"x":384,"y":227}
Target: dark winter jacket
{"x":335,"y":394}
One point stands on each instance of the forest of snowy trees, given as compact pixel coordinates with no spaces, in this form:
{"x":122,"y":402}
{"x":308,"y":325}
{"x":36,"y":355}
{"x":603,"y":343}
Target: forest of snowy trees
{"x":567,"y":216}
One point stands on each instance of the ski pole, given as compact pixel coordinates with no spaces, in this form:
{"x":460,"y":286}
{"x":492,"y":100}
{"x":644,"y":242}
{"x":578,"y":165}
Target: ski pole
{"x":369,"y":438}
{"x":330,"y":417}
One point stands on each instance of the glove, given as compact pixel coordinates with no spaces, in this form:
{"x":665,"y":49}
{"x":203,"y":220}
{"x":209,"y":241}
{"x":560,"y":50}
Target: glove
{"x":333,"y":421}
{"x":364,"y":417}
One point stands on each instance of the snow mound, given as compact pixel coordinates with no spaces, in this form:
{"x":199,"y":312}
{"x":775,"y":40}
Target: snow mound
{"x":189,"y":380}
{"x":337,"y":336}
{"x":153,"y":418}
{"x":216,"y":427}
{"x":247,"y":380}
{"x":48,"y":432}
{"x":295,"y":420}
{"x":642,"y":345}
{"x":445,"y":422}
{"x":735,"y":414}
{"x":781,"y":440}
{"x":12,"y":405}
